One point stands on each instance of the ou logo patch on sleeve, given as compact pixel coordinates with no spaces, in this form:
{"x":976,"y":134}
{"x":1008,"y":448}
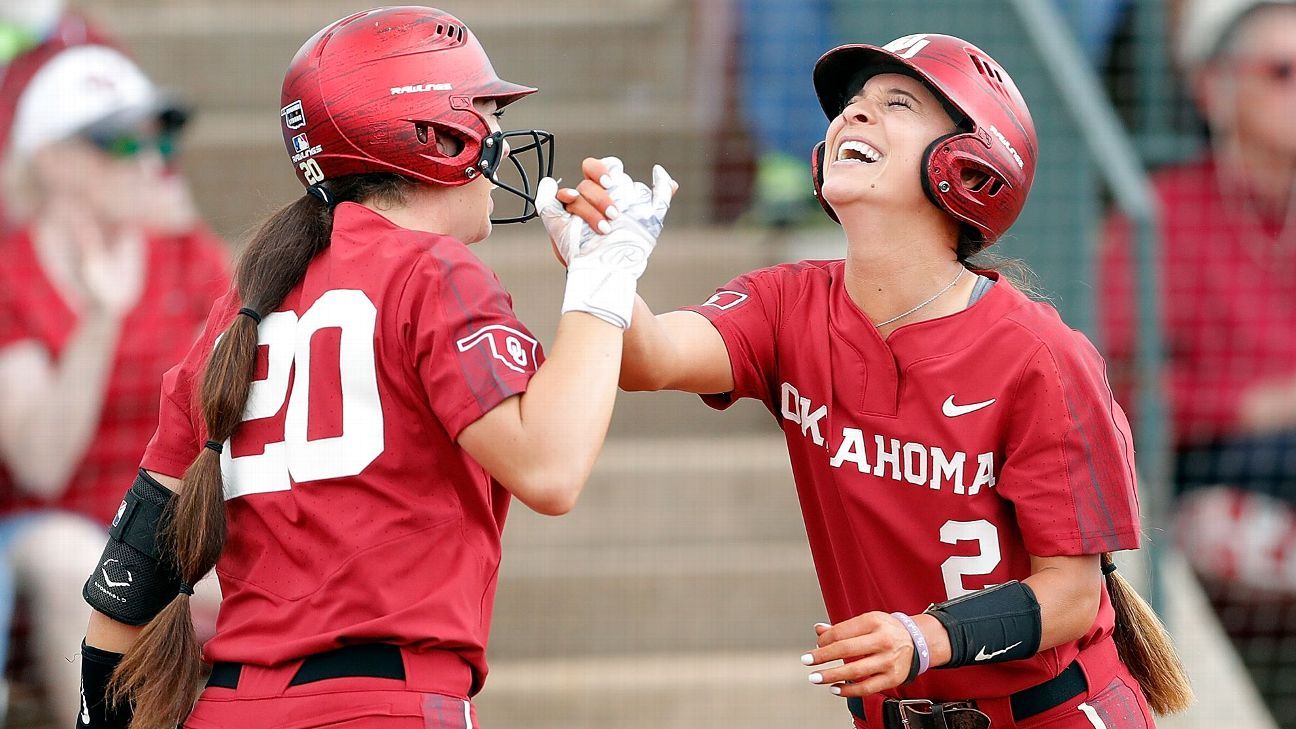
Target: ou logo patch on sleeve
{"x":516,"y":350}
{"x":725,"y":300}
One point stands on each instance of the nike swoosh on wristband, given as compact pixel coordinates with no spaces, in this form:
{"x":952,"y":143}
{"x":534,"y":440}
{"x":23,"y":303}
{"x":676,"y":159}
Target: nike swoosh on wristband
{"x":953,"y":411}
{"x":983,"y":656}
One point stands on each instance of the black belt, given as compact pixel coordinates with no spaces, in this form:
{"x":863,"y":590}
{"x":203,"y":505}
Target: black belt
{"x":924,"y":714}
{"x":374,"y":660}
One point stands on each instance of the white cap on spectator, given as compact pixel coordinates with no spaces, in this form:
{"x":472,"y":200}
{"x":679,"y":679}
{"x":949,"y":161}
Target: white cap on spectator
{"x":1204,"y":23}
{"x":79,"y":88}
{"x":34,"y":16}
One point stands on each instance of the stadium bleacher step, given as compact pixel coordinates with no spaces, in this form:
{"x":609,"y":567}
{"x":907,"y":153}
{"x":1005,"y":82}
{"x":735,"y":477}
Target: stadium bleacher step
{"x":747,"y":688}
{"x":700,"y":491}
{"x":653,"y":599}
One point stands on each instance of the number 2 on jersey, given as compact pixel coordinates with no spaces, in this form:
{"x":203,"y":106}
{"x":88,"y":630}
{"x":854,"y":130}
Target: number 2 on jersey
{"x":955,"y":568}
{"x":293,"y":457}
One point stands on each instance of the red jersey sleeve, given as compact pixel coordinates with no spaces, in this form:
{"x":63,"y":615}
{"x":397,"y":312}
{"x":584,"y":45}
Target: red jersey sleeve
{"x":1069,"y":462}
{"x":744,"y":312}
{"x":467,"y":346}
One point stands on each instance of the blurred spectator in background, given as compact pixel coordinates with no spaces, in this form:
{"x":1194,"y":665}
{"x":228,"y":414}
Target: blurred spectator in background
{"x":1094,"y":23}
{"x":779,"y":44}
{"x":32,"y":32}
{"x":1229,"y":286}
{"x":103,"y":287}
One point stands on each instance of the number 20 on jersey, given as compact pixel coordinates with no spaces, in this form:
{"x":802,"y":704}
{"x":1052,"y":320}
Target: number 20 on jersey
{"x":292,"y":458}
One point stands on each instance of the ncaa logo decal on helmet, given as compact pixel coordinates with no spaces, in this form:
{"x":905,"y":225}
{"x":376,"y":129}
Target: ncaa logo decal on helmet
{"x":376,"y":91}
{"x":995,"y":139}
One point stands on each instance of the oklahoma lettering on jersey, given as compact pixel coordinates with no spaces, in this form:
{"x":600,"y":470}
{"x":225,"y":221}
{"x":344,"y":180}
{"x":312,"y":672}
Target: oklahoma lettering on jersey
{"x":908,"y":462}
{"x":934,"y":463}
{"x":353,"y":514}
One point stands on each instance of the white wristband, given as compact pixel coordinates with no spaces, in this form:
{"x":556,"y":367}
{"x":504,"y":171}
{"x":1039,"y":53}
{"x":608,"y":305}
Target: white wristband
{"x":607,"y":294}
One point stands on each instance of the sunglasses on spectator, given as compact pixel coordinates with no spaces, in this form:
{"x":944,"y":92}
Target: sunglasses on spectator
{"x":1275,"y":70}
{"x":124,"y":145}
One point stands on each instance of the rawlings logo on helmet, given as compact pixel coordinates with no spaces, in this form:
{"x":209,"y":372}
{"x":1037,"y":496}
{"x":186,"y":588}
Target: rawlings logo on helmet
{"x":420,"y":88}
{"x":1004,"y":141}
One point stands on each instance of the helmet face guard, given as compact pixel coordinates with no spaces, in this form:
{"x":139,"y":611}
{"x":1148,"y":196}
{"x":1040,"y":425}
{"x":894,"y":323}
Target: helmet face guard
{"x":536,"y":153}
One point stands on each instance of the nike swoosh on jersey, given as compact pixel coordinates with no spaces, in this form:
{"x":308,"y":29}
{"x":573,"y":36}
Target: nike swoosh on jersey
{"x":953,"y":411}
{"x":983,"y":656}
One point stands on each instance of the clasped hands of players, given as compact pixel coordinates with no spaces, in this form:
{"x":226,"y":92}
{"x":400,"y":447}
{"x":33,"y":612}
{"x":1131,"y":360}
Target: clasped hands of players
{"x":605,"y":249}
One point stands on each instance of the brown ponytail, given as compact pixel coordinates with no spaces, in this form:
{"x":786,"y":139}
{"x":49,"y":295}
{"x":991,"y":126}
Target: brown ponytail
{"x":160,"y":674}
{"x":1145,"y":646}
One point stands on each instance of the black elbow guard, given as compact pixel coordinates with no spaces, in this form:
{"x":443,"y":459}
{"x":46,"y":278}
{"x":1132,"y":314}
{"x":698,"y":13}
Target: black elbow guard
{"x":993,"y":625}
{"x":133,"y":582}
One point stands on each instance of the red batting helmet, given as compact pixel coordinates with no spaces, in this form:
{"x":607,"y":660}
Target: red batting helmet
{"x":375,"y":91}
{"x":995,"y":138}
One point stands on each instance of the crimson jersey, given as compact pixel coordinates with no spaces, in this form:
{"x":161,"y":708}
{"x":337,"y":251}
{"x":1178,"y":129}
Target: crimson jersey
{"x":353,"y":515}
{"x":183,"y":275}
{"x":931,"y":464}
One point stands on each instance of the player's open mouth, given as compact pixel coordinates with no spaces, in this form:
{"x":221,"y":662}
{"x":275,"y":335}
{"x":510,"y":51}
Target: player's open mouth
{"x":855,"y":151}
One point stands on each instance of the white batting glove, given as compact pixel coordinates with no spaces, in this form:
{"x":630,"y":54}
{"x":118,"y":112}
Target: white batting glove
{"x":603,"y":270}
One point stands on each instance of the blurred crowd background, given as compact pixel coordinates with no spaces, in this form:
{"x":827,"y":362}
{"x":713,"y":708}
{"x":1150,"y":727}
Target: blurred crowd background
{"x":139,"y":142}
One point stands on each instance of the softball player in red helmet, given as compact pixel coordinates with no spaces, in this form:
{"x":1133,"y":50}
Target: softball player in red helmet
{"x":962,"y":468}
{"x":342,"y":441}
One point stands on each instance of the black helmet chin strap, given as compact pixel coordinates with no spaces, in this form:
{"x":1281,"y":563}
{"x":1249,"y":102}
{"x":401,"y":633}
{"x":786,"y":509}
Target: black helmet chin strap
{"x":538,"y":147}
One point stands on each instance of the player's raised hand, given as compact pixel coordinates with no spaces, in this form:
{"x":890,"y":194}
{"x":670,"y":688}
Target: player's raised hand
{"x":876,"y":651}
{"x":603,"y":267}
{"x":564,"y":229}
{"x":565,"y":212}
